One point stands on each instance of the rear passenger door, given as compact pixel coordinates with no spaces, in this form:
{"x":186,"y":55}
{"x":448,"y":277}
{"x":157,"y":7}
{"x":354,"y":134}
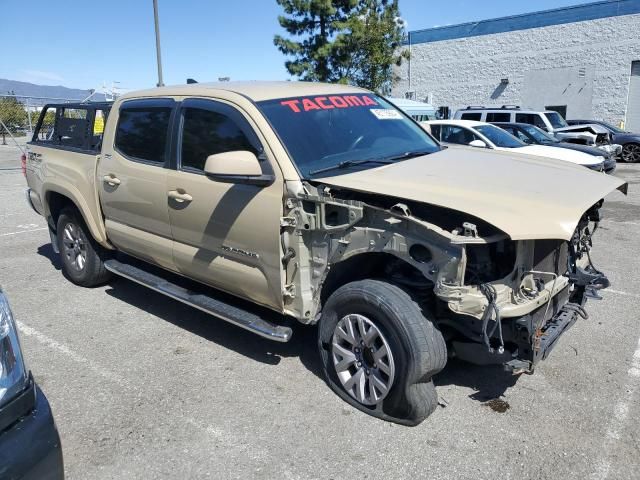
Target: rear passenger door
{"x":132,"y":179}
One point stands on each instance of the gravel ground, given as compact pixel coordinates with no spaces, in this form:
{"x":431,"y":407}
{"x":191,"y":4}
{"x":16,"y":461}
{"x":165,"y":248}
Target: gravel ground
{"x":144,"y":387}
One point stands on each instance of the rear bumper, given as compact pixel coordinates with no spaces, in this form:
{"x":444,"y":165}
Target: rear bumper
{"x":30,"y":447}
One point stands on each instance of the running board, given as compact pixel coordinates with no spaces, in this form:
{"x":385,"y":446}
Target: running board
{"x":207,"y":303}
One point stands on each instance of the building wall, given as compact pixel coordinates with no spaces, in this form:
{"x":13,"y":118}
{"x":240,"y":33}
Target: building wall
{"x":585,"y":65}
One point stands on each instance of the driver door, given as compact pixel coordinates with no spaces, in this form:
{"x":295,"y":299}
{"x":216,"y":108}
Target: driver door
{"x":226,"y":235}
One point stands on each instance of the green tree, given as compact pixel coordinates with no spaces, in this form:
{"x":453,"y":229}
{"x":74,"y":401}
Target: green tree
{"x":349,"y":41}
{"x":12,"y":113}
{"x":316,"y":42}
{"x":376,"y":35}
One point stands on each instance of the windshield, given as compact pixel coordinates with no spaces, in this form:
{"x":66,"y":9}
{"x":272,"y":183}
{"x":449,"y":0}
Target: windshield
{"x":323,"y":133}
{"x":538,"y":135}
{"x":499,"y":137}
{"x":556,"y":120}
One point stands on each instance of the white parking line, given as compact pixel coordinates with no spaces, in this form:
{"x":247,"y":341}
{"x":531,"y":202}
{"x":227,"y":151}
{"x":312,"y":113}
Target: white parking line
{"x":218,"y":435}
{"x":620,"y":414}
{"x":22,"y":231}
{"x":626,"y":294}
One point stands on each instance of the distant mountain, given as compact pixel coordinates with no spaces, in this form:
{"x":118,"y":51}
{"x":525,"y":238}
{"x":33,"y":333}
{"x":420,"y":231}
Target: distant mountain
{"x":50,"y":91}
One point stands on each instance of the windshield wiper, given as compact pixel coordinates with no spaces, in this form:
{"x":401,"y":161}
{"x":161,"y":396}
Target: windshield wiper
{"x":379,"y":161}
{"x":350,"y":163}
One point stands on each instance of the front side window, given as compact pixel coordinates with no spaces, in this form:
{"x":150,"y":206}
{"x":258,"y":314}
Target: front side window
{"x":325,"y":135}
{"x":142,"y":132}
{"x":499,"y":137}
{"x":457,"y":135}
{"x":206,"y":132}
{"x":531,"y":119}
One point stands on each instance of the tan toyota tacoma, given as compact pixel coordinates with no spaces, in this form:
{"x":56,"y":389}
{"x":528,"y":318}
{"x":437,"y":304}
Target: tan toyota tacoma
{"x":265,"y":202}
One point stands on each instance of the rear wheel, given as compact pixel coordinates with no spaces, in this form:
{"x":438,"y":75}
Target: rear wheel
{"x":82,"y":258}
{"x":379,"y":351}
{"x":631,"y":153}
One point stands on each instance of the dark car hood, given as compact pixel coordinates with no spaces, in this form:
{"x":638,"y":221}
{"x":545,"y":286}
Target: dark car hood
{"x":597,"y":152}
{"x":627,"y":137}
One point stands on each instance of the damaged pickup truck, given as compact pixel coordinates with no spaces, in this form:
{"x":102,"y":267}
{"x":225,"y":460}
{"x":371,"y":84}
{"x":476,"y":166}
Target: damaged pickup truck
{"x":264,"y":202}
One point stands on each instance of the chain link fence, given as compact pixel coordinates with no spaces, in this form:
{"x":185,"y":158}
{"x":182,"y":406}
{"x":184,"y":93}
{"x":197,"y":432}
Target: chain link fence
{"x":19,"y":115}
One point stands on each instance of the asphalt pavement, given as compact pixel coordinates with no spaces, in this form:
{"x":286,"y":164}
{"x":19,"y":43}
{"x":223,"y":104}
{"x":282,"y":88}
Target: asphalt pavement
{"x":143,"y":387}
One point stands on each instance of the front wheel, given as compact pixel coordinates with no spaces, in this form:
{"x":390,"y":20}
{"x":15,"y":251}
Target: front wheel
{"x":379,"y":351}
{"x":82,"y":258}
{"x":631,"y":153}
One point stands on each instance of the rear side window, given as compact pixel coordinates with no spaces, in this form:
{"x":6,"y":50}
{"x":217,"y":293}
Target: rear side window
{"x":498,"y":117}
{"x":531,"y":119}
{"x":207,"y":132}
{"x":472,"y":116}
{"x":142,"y":131}
{"x":435,"y":131}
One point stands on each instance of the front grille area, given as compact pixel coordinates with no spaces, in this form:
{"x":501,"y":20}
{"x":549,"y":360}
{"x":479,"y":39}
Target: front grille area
{"x":551,"y":256}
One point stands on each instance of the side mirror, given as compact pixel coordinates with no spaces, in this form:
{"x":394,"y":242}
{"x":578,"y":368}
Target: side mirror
{"x":477,"y":144}
{"x":239,"y":166}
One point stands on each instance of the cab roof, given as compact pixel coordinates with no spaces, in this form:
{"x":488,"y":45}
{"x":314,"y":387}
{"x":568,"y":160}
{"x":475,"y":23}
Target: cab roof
{"x":256,"y":91}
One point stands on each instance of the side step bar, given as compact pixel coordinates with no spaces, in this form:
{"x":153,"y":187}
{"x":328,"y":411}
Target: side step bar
{"x":207,"y":303}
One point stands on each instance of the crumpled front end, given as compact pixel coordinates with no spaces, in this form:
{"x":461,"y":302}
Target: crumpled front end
{"x":516,"y":318}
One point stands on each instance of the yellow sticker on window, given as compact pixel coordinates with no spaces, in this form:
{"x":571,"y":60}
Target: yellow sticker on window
{"x":98,"y":124}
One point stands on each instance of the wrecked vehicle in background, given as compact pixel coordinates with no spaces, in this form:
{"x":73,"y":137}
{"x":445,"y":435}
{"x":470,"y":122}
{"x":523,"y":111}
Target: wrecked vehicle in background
{"x":325,"y":204}
{"x":548,"y":120}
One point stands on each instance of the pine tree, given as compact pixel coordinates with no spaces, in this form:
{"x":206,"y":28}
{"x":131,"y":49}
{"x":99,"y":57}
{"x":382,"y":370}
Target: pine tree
{"x":313,"y":26}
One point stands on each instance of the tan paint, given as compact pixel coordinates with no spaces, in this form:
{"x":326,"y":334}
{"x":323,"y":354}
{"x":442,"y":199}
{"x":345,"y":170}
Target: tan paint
{"x":527,"y":198}
{"x":71,"y":174}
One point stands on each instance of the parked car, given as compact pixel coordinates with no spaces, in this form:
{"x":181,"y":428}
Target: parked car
{"x":548,"y":120}
{"x":629,"y":141}
{"x":325,"y":204}
{"x":29,"y":442}
{"x":484,"y":135}
{"x":419,"y":111}
{"x":532,"y":135}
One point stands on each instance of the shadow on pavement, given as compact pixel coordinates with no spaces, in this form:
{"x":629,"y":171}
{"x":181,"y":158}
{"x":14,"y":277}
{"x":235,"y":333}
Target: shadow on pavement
{"x":489,"y":382}
{"x":212,"y":329}
{"x":46,"y":251}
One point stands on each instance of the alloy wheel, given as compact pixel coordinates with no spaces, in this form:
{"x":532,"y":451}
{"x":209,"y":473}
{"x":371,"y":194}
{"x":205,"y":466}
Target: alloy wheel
{"x":362,"y":359}
{"x":75,"y":246}
{"x":631,"y":153}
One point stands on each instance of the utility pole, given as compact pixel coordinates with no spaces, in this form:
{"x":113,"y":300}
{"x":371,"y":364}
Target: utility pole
{"x":159,"y":59}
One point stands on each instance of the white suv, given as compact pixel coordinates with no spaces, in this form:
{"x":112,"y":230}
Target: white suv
{"x":547,"y":120}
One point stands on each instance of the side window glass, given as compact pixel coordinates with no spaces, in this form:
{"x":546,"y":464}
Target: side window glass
{"x":539,"y":122}
{"x":435,"y":131}
{"x":142,"y":133}
{"x":471,"y":116}
{"x":207,"y":132}
{"x":457,"y":135}
{"x":498,"y":117}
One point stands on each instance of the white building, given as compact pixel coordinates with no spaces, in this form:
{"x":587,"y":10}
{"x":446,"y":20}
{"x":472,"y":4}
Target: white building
{"x":582,"y":60}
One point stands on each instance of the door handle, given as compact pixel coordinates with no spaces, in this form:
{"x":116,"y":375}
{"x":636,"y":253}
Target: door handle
{"x":179,"y":197}
{"x":111,"y":179}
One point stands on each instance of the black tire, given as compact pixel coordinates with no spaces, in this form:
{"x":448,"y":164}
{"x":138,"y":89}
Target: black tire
{"x":91,"y":271}
{"x":418,"y":348}
{"x":630,"y":153}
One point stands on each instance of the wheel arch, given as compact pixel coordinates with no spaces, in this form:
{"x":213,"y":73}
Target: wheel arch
{"x":367,"y":265}
{"x":56,"y":198}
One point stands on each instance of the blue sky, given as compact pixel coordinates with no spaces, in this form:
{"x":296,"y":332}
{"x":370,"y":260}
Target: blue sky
{"x":80,"y":43}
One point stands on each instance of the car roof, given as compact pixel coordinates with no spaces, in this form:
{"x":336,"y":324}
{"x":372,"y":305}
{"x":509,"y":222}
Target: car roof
{"x":254,"y":90}
{"x":503,"y":110}
{"x":514,"y":124}
{"x":461,"y":123}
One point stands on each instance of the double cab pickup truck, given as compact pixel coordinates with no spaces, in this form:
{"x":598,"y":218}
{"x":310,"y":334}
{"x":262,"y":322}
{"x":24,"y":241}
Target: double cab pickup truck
{"x":264,"y":203}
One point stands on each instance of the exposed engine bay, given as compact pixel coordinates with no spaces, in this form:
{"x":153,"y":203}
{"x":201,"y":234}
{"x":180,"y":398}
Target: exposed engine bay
{"x":496,"y":300}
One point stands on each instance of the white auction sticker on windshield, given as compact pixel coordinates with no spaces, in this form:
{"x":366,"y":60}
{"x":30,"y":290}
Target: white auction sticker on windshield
{"x":386,"y":114}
